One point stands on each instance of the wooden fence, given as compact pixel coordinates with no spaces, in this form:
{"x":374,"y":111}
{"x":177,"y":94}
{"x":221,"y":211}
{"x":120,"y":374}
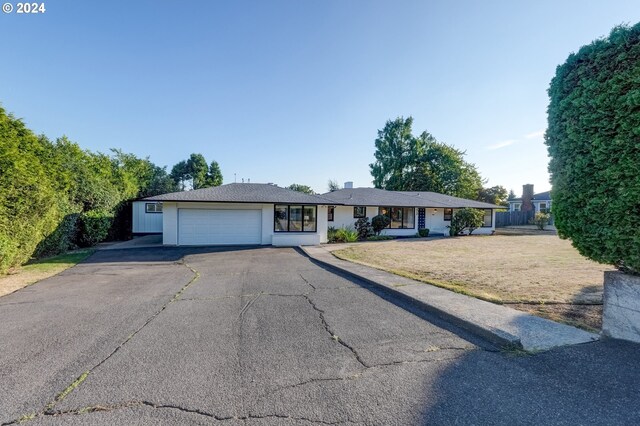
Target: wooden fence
{"x":513,"y":218}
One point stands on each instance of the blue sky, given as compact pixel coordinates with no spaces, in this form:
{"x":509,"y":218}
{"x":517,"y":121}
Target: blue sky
{"x":295,"y":91}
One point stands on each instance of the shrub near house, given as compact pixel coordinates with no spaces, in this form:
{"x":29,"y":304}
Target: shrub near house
{"x":466,"y":219}
{"x":380,"y":222}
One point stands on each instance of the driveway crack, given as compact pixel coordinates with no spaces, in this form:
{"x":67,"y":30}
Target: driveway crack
{"x":143,"y":403}
{"x":307,"y":282}
{"x":332,"y":334}
{"x":248,"y":305}
{"x":78,"y":381}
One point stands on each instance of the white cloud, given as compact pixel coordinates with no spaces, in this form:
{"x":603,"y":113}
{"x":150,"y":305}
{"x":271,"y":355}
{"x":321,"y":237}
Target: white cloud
{"x":535,"y":135}
{"x":501,"y":144}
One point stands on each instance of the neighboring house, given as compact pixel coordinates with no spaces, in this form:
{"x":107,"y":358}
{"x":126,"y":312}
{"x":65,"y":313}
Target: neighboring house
{"x":264,"y":214}
{"x":529,"y":201}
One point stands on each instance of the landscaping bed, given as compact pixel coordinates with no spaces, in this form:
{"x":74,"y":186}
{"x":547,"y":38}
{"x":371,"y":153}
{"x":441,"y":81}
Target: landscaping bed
{"x":541,"y":274}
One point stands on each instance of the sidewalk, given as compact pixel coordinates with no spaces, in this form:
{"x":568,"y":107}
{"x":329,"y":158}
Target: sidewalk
{"x":498,"y":324}
{"x":146,"y":241}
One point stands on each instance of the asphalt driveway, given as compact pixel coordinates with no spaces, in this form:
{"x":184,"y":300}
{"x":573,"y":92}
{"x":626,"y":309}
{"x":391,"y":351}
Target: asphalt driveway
{"x":265,"y":336}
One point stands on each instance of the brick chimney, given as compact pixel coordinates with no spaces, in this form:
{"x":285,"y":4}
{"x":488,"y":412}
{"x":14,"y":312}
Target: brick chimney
{"x":527,"y":196}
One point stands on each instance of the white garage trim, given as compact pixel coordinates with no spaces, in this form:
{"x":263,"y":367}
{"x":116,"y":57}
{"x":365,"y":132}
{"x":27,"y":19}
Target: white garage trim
{"x":219,"y":226}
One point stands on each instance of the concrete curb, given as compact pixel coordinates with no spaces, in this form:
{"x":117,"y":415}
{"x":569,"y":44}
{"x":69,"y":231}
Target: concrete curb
{"x":498,"y":324}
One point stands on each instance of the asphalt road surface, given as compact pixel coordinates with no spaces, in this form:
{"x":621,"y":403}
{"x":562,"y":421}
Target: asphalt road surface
{"x":265,"y":336}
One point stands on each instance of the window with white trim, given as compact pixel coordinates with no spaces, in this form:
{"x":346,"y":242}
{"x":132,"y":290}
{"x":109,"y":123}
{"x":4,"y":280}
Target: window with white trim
{"x":488,"y":218}
{"x":153,"y":207}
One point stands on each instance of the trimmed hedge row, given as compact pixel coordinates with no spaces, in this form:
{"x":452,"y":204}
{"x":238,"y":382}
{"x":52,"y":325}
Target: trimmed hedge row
{"x":593,"y":140}
{"x":55,"y":196}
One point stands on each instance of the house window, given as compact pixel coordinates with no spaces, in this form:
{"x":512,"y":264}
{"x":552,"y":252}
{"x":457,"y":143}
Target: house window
{"x":448,"y":214}
{"x":309,"y":221}
{"x":295,"y":218}
{"x":401,"y":217}
{"x":359,"y":211}
{"x":330,"y":213}
{"x":153,"y":207}
{"x":516,"y":207}
{"x":488,"y":218}
{"x":542,"y":207}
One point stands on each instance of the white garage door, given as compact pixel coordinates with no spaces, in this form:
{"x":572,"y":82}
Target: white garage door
{"x":204,"y":227}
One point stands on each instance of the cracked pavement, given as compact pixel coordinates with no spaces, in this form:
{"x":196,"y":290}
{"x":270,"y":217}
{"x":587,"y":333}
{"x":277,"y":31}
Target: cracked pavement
{"x":265,"y":336}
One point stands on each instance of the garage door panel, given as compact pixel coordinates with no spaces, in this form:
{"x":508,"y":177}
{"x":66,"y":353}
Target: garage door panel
{"x":217,"y":226}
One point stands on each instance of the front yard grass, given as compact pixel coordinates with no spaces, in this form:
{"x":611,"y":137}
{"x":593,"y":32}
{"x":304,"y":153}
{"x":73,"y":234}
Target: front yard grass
{"x":541,"y":274}
{"x":40,"y":269}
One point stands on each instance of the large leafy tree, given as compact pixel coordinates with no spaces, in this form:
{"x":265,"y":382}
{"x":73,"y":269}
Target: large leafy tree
{"x":194,"y":173}
{"x":396,"y":155}
{"x":593,"y":138}
{"x":198,"y":169}
{"x":142,"y":177}
{"x":214,"y":177}
{"x":180,"y":174}
{"x":405,"y":162}
{"x":495,"y":195}
{"x":332,"y":185}
{"x":301,"y":188}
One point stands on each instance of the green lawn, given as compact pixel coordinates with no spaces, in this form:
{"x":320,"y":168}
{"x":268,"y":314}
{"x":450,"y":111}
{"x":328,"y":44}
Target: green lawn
{"x":536,"y":273}
{"x":41,"y":269}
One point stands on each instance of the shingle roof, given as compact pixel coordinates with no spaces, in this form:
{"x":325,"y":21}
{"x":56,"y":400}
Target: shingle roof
{"x":368,"y":197}
{"x":266,"y":193}
{"x":542,"y":196}
{"x":381,"y":197}
{"x":433,"y":199}
{"x":242,"y":193}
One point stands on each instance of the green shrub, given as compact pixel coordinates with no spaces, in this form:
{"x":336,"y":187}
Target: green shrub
{"x":380,"y":222}
{"x":364,"y":228}
{"x":592,"y":139}
{"x":380,"y":238}
{"x":62,"y":239}
{"x":423,"y":232}
{"x":121,"y":227}
{"x":541,"y":220}
{"x":464,"y":219}
{"x":346,"y":235}
{"x":28,"y":201}
{"x":8,"y":252}
{"x":93,"y":227}
{"x":331,"y":234}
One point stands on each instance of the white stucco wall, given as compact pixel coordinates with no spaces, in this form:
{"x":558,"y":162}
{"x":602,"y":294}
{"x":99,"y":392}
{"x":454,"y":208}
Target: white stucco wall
{"x":343,"y":216}
{"x":433,"y":220}
{"x":143,"y":222}
{"x":170,"y":223}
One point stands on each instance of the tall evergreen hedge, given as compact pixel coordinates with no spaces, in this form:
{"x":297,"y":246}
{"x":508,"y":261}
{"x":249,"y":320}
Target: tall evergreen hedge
{"x":55,"y":196}
{"x":593,"y":140}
